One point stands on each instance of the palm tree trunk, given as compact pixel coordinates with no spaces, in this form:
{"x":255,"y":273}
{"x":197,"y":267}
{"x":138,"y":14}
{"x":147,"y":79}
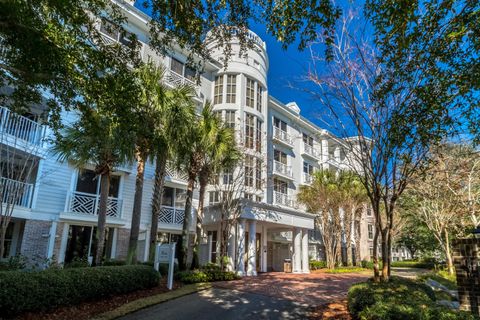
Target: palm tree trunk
{"x":160,"y":173}
{"x":184,"y":249}
{"x":137,"y":209}
{"x":203,"y":180}
{"x":102,"y":217}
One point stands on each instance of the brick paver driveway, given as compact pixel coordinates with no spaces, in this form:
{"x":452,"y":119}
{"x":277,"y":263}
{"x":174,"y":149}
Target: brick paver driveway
{"x":313,"y":289}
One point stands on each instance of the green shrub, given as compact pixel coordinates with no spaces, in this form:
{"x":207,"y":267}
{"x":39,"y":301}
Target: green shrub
{"x":113,"y":262}
{"x":413,"y":264}
{"x":398,"y":299}
{"x":77,"y":263}
{"x":17,"y":262}
{"x":208,"y":274}
{"x":42,"y":290}
{"x":317,"y":264}
{"x":345,"y":270}
{"x":163,"y":269}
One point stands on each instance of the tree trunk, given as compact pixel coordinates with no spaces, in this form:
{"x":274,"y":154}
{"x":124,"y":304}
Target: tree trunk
{"x":137,"y":209}
{"x":385,"y":257}
{"x":184,"y":250}
{"x":389,"y":248}
{"x":102,"y":217}
{"x":376,"y":269}
{"x":203,"y":180}
{"x":448,"y":253}
{"x":160,"y":172}
{"x":3,"y":231}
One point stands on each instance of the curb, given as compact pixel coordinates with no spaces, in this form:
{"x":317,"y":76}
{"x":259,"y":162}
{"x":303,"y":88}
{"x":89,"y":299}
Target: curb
{"x":146,"y":302}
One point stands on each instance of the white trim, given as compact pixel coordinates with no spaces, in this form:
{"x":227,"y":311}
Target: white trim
{"x":51,"y":239}
{"x":63,"y":243}
{"x":37,"y":184}
{"x":113,"y":253}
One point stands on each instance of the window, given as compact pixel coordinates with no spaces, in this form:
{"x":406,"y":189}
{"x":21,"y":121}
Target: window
{"x":280,"y":156}
{"x":249,"y":163}
{"x":227,"y":176}
{"x":218,"y":94}
{"x":177,"y":66}
{"x":214,"y":197}
{"x":213,"y":257}
{"x":109,"y":29}
{"x":7,"y":245}
{"x":259,"y":136}
{"x":307,"y":168}
{"x":308,"y":140}
{"x":230,"y":118}
{"x":258,"y":174}
{"x":249,"y":130}
{"x":190,"y":73}
{"x":250,"y":93}
{"x":168,"y":197}
{"x":259,"y":98}
{"x":370,"y":232}
{"x":282,"y":125}
{"x":248,"y":196}
{"x":82,"y":243}
{"x":258,"y":198}
{"x":89,"y":182}
{"x":371,"y":253}
{"x":280,"y":186}
{"x":231,"y":88}
{"x":369,"y":211}
{"x":180,"y":198}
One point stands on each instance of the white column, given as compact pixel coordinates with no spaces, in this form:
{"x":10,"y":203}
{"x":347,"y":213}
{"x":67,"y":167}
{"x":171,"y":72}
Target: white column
{"x":305,"y":262}
{"x":241,"y":247}
{"x":231,"y":248}
{"x":336,"y":153}
{"x":325,"y":154}
{"x":297,"y":250}
{"x":63,"y":243}
{"x":252,"y":246}
{"x":210,"y":249}
{"x":51,"y":239}
{"x":147,"y":244}
{"x":264,"y":249}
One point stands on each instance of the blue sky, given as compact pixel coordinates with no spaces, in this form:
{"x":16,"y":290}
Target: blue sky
{"x":285,"y":71}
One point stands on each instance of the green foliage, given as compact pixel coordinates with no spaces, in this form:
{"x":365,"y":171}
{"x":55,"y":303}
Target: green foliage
{"x":345,"y":270}
{"x":442,"y":277}
{"x":317,"y":264}
{"x":77,"y":263}
{"x":114,"y":262}
{"x":413,"y":264}
{"x":43,"y":290}
{"x":397,"y":299}
{"x":17,"y":262}
{"x":208,"y":273}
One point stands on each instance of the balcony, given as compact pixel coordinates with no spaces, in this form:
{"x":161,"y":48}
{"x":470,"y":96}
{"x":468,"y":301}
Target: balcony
{"x":171,"y":215}
{"x":17,"y":128}
{"x":175,"y":174}
{"x":283,"y":199}
{"x":310,"y":151}
{"x":282,"y":136}
{"x":16,"y":192}
{"x":307,"y":178}
{"x":282,"y":169}
{"x":88,"y":204}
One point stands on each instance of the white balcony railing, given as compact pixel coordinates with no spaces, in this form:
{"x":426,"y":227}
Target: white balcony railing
{"x":20,"y":127}
{"x":175,"y":174}
{"x":282,"y":136}
{"x":171,"y":215}
{"x":282,"y":169}
{"x":283,"y":199}
{"x":89,"y":204}
{"x":16,"y":192}
{"x":176,"y":79}
{"x":310,"y":150}
{"x":307,"y":178}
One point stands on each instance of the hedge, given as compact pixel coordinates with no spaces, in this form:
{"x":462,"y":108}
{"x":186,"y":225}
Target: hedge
{"x":413,"y":264}
{"x":317,"y":264}
{"x":398,"y":299}
{"x":209,"y":273}
{"x":42,"y":290}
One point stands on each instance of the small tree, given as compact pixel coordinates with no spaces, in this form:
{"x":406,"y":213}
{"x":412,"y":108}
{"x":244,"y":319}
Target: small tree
{"x":19,"y":161}
{"x":391,"y":140}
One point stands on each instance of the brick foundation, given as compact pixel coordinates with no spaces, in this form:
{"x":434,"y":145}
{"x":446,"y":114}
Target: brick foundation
{"x":35,"y":241}
{"x":466,"y":256}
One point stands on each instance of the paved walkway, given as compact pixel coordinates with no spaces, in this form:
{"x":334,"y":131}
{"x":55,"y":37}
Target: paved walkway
{"x":312,"y":289}
{"x":219,"y":303}
{"x":410,"y":273}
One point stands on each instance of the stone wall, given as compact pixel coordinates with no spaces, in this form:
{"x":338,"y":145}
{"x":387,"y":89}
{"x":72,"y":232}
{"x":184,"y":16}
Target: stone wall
{"x":35,"y":241}
{"x":123,"y":236}
{"x":466,"y":256}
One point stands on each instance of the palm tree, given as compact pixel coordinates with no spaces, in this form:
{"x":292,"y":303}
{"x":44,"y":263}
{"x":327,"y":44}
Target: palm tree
{"x":219,"y":152}
{"x":100,"y":137}
{"x":201,"y":139}
{"x":175,"y":114}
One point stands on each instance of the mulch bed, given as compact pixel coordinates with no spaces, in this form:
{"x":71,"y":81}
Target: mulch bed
{"x":87,"y":310}
{"x":336,"y":310}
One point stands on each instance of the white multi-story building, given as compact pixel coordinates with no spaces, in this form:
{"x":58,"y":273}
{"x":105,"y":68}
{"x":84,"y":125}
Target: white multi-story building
{"x":57,"y":216}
